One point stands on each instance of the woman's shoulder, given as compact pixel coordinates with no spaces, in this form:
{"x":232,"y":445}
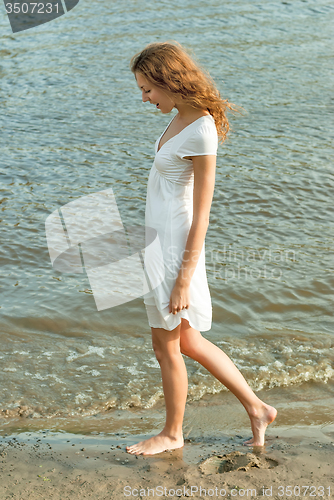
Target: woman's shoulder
{"x":202,"y":138}
{"x":205,"y":129}
{"x":205,"y":123}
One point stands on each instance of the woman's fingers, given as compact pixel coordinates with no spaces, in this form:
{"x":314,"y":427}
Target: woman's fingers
{"x":175,"y":309}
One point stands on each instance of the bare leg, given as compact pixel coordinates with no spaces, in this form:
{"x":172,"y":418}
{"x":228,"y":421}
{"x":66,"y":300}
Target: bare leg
{"x":220,"y":366}
{"x":166,"y":345}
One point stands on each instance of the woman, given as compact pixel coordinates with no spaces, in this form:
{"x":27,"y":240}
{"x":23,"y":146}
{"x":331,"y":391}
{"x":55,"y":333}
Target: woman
{"x":179,"y":196}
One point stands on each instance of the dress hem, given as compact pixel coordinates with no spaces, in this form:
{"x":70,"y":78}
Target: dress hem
{"x":190,"y":323}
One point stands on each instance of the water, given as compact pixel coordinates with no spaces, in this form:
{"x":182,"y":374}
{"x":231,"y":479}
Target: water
{"x":72,"y":124}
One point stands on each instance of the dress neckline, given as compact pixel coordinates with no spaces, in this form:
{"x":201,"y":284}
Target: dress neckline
{"x":163,"y":133}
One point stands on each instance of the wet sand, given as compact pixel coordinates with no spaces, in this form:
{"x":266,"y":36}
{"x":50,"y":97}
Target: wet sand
{"x":63,"y":465}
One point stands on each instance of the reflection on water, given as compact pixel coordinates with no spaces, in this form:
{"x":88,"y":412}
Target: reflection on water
{"x":73,"y":124}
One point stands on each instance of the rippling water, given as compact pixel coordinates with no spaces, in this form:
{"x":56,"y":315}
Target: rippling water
{"x":72,"y":123}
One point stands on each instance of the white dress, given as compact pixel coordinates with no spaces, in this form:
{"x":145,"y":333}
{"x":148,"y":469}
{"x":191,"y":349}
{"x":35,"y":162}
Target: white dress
{"x":169,"y":210}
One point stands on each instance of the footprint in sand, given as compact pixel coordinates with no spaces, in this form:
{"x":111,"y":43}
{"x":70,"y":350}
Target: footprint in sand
{"x":217,"y":464}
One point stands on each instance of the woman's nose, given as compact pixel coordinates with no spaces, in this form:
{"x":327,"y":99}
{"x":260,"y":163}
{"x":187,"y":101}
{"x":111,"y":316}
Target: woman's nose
{"x":145,"y":97}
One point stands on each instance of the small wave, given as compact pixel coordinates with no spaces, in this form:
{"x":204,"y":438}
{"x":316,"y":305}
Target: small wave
{"x":91,"y":350}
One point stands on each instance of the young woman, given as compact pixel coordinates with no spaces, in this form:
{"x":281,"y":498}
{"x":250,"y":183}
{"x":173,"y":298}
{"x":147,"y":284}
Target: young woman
{"x":179,"y":196}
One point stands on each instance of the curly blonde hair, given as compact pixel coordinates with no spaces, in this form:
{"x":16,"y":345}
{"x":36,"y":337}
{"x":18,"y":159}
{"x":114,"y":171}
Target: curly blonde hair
{"x":168,"y":66}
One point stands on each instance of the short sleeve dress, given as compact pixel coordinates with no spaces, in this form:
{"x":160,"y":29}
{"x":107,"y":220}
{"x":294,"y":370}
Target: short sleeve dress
{"x":169,"y":210}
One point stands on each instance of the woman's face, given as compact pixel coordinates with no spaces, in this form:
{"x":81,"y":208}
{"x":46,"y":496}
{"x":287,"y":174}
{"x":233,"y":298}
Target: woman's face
{"x":162,"y":99}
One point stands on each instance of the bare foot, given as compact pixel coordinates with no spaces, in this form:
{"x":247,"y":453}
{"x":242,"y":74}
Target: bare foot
{"x":260,"y":419}
{"x":155,"y":444}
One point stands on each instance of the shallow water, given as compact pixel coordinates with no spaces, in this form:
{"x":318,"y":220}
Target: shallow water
{"x":72,"y":124}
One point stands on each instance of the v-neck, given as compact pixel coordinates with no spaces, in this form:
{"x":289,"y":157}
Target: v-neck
{"x":163,"y":133}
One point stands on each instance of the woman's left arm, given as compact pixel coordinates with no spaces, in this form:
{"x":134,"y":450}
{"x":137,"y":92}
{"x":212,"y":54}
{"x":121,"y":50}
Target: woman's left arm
{"x":204,"y":183}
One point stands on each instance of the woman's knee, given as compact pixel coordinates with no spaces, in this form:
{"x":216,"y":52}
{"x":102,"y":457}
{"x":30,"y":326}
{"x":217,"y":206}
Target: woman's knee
{"x":186,"y":350}
{"x":158,"y":350}
{"x":190,"y":345}
{"x":165,"y":349}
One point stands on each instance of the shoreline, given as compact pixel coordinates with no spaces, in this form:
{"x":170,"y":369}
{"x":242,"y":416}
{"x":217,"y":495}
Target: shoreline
{"x":307,"y":405}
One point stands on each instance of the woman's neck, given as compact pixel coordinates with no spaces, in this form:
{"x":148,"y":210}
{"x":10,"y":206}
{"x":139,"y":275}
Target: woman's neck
{"x":188,"y":113}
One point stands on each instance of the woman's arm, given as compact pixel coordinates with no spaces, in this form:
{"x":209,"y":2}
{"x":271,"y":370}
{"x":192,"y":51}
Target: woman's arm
{"x":204,"y":182}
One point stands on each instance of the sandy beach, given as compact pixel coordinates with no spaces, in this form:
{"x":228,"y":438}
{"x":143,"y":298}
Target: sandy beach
{"x":297,"y":461}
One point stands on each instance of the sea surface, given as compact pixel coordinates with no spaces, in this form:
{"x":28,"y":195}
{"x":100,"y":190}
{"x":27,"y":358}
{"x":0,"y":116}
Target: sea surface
{"x":72,"y":124}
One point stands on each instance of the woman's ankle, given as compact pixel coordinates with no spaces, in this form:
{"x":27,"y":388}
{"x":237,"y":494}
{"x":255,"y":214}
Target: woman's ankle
{"x":256,"y":409}
{"x":173,"y":434}
{"x":260,"y":410}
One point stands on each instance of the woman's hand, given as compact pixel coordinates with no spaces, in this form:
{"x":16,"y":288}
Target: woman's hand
{"x":180,"y":298}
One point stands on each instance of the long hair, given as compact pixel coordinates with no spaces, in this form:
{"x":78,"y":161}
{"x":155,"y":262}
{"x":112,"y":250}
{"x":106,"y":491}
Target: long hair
{"x":168,"y":66}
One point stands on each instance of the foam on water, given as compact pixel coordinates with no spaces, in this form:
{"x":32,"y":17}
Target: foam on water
{"x":130,"y":375}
